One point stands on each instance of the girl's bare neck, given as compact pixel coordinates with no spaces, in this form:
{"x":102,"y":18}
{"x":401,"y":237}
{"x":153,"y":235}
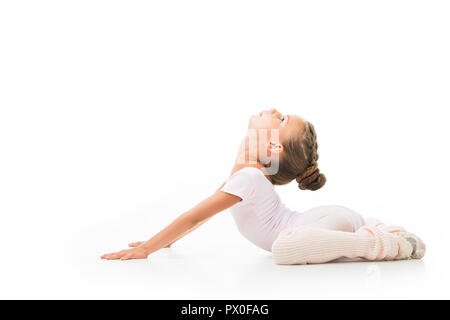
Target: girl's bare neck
{"x":245,"y":158}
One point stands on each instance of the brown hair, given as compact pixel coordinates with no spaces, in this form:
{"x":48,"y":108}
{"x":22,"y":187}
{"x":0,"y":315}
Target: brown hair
{"x":299,"y":161}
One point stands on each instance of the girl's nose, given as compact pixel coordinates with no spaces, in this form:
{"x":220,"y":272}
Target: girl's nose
{"x":275,"y":112}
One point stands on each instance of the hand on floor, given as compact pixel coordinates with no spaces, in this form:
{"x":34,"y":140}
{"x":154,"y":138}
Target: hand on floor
{"x":135,"y":253}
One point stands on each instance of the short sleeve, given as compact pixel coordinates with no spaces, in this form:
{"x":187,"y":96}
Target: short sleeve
{"x":242,"y":183}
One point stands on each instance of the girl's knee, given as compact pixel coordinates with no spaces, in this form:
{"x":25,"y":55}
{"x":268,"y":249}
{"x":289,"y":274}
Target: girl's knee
{"x":346,"y":215}
{"x":355,"y":218}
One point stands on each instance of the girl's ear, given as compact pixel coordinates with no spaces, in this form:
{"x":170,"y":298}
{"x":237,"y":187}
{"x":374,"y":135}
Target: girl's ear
{"x":275,"y":148}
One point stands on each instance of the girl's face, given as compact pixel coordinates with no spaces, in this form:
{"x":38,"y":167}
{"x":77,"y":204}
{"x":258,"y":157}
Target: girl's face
{"x":273,"y":120}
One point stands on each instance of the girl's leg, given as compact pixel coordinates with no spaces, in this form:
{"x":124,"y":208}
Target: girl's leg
{"x":332,"y":236}
{"x":343,"y":218}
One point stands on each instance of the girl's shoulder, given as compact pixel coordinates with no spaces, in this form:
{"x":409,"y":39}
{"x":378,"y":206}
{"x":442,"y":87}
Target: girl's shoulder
{"x":251,"y":173}
{"x":247,"y":182}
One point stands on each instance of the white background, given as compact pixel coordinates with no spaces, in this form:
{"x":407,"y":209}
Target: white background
{"x":117,"y":116}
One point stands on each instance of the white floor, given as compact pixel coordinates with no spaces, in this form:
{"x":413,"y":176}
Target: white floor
{"x":243,"y":272}
{"x":217,"y":269}
{"x":230,"y":275}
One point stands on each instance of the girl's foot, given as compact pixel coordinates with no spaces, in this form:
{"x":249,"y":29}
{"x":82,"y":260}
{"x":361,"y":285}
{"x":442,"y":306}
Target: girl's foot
{"x":405,"y":248}
{"x":417,"y":244}
{"x":385,"y":245}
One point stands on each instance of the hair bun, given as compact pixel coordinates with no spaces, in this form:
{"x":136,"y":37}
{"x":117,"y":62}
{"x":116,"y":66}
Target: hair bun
{"x":311,"y":179}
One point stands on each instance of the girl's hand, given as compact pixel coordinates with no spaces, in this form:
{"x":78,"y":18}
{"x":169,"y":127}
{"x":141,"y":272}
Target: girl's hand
{"x":137,"y":244}
{"x":135,"y":253}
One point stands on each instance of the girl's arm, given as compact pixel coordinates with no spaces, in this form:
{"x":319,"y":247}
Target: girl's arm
{"x":138,"y":243}
{"x":186,"y":222}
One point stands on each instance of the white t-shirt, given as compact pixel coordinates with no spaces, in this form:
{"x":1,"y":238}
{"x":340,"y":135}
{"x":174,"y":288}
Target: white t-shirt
{"x":260,"y":216}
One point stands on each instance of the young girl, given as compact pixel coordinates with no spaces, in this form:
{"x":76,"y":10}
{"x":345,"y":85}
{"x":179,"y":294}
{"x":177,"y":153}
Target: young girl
{"x":285,"y":149}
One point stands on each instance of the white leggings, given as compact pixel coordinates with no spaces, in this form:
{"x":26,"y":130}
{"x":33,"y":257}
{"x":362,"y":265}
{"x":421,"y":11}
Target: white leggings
{"x":344,"y":219}
{"x":326,"y":233}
